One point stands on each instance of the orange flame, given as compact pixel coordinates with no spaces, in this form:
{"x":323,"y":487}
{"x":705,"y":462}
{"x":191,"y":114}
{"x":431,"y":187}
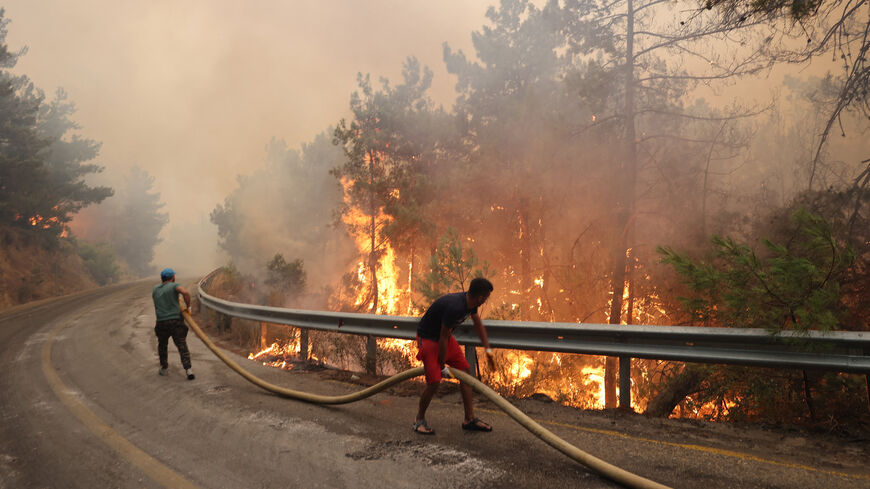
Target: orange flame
{"x":390,"y":294}
{"x":276,"y":355}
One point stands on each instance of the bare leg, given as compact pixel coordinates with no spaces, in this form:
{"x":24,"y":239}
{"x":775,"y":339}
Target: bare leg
{"x":466,"y":401}
{"x":425,"y":399}
{"x":468,"y":404}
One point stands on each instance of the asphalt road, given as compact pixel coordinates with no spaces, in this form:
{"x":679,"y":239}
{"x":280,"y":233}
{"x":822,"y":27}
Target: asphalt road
{"x":81,"y":405}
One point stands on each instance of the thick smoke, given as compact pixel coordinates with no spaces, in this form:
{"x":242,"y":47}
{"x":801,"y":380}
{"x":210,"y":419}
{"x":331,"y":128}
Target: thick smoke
{"x":191,"y":92}
{"x":287,"y":208}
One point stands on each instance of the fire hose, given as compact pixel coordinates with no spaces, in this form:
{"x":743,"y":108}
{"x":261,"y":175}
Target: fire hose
{"x":597,"y":465}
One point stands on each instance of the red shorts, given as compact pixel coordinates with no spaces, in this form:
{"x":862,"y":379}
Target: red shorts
{"x":427,"y":352}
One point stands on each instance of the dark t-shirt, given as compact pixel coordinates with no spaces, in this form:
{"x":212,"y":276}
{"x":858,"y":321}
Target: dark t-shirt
{"x":449,"y":310}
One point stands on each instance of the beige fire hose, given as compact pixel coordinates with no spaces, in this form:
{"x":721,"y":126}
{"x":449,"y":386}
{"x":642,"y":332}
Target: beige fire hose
{"x":599,"y":466}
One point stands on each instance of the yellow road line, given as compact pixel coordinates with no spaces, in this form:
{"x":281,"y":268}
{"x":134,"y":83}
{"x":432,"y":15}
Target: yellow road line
{"x":699,"y":448}
{"x":152,"y":467}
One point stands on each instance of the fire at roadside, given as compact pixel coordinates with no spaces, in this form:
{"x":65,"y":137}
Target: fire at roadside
{"x":569,"y":379}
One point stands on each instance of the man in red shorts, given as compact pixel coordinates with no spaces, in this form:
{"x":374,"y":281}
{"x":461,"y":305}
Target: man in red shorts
{"x":437,"y":347}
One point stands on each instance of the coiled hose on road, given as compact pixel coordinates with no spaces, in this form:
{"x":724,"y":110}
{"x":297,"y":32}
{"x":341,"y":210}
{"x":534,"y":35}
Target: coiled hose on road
{"x":597,"y":465}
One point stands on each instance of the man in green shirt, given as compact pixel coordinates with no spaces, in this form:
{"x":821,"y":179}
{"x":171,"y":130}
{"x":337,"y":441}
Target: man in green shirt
{"x":170,"y":322}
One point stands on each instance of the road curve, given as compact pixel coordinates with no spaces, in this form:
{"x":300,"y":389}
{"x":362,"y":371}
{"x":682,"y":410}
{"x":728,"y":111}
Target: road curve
{"x":81,"y":405}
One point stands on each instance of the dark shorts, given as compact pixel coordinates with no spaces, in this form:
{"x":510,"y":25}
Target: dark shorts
{"x":427,"y":352}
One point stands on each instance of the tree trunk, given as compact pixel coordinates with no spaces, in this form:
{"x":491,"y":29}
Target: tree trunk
{"x":546,"y":277}
{"x":686,"y":382}
{"x":808,"y":396}
{"x":525,"y":258}
{"x":371,"y":359}
{"x":625,"y":205}
{"x":412,"y":253}
{"x":867,"y":381}
{"x":303,"y":344}
{"x":611,"y":366}
{"x":706,"y":181}
{"x":629,"y":313}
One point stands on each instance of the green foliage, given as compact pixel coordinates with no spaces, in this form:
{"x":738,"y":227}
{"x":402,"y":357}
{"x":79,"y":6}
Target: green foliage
{"x":42,"y":169}
{"x":793,"y":286}
{"x":99,"y":259}
{"x":451,"y":268}
{"x":65,"y":159}
{"x":286,"y":277}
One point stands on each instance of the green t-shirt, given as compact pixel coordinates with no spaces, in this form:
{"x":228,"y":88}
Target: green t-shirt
{"x":165,"y":298}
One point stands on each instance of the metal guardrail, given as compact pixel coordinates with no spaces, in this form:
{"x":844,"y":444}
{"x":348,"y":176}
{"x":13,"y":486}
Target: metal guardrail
{"x":843,"y":351}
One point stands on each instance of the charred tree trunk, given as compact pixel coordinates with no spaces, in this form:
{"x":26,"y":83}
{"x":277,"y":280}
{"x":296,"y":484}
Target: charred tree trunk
{"x":808,"y":396}
{"x":629,"y":312}
{"x":546,"y":277}
{"x":686,"y":382}
{"x":867,"y":381}
{"x":371,"y":358}
{"x":525,"y":258}
{"x":413,"y":254}
{"x":625,"y":204}
{"x":705,"y":189}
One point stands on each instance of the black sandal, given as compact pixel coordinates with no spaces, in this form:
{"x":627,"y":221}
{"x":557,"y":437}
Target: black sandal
{"x":476,"y":425}
{"x":424,"y":424}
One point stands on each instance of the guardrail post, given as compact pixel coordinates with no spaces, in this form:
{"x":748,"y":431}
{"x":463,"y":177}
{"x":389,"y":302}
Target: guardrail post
{"x":303,"y":344}
{"x":224,"y":322}
{"x":471,"y":358}
{"x":625,"y":382}
{"x":371,"y":358}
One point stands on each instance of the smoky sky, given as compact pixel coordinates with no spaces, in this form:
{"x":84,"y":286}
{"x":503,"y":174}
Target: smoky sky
{"x":192,"y":91}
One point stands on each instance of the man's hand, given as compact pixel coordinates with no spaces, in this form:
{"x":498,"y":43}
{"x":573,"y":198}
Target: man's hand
{"x":489,"y":357}
{"x":445,"y":373}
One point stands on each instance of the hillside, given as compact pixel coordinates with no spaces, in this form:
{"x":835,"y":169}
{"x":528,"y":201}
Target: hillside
{"x":30,"y":271}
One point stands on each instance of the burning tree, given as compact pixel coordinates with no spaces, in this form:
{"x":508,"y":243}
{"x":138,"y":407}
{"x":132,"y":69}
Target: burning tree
{"x":386,"y":146}
{"x":287,"y":282}
{"x":526,"y":183}
{"x":578,"y":142}
{"x":629,"y":43}
{"x":554,"y":91}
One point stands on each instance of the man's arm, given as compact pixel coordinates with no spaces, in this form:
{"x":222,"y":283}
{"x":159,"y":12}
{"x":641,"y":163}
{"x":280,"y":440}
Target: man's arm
{"x":480,"y":329}
{"x":184,"y":293}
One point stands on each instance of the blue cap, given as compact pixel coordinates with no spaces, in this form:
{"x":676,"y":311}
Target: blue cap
{"x":167,"y":274}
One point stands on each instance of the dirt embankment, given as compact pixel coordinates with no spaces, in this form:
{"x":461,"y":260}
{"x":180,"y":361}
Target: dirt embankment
{"x":31,"y":270}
